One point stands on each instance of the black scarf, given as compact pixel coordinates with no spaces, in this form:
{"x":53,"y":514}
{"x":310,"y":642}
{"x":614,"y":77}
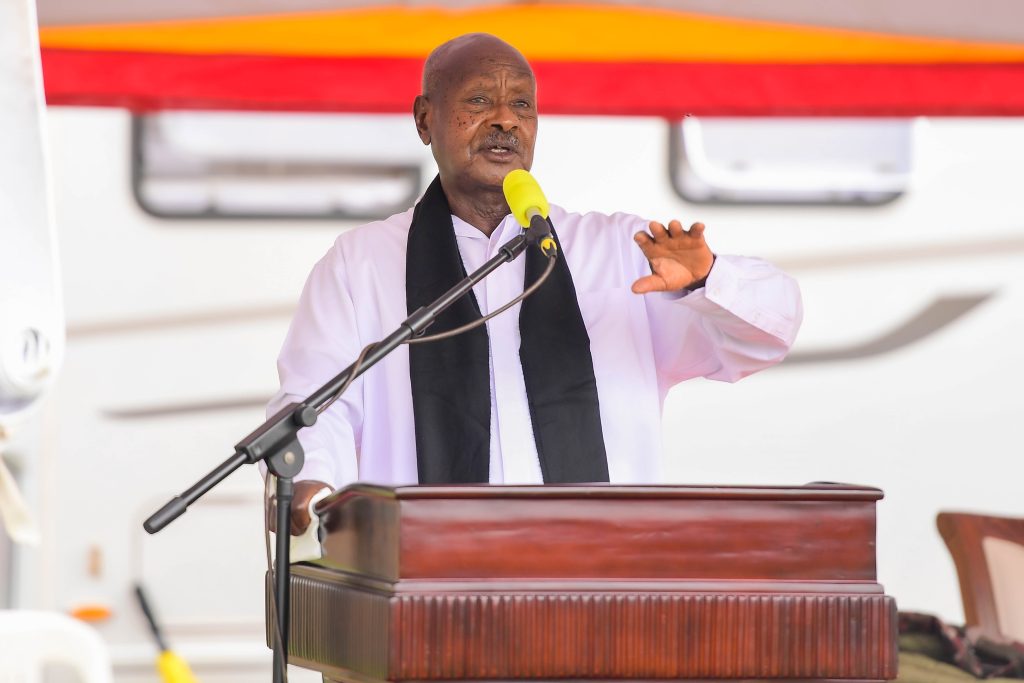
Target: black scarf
{"x":451,"y":389}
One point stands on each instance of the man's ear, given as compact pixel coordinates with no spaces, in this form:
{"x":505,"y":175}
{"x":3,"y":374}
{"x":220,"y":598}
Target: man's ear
{"x":420,"y":112}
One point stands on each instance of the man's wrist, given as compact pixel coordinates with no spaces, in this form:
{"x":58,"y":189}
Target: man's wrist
{"x":697,"y":284}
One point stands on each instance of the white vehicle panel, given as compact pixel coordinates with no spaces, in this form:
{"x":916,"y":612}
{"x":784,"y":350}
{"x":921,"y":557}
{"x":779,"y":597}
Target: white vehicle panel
{"x":904,"y":376}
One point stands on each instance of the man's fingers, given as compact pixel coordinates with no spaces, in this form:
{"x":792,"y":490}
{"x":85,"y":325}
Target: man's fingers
{"x":304,"y":492}
{"x":645,"y":242}
{"x":649,"y":283}
{"x":272,"y":515}
{"x":674,"y":229}
{"x":647,"y":245}
{"x":657,"y":230}
{"x":300,"y":519}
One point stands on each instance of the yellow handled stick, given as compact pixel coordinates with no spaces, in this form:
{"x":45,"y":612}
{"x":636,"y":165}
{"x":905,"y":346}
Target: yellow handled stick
{"x":172,"y":668}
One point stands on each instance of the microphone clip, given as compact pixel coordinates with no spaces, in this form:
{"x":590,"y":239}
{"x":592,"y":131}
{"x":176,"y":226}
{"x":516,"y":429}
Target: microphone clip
{"x":539,"y":233}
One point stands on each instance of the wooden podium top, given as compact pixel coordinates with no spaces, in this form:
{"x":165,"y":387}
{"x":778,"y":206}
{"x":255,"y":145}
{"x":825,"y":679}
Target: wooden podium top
{"x":805,"y":533}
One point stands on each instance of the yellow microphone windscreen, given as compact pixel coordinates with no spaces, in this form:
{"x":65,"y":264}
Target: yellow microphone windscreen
{"x":523,"y":193}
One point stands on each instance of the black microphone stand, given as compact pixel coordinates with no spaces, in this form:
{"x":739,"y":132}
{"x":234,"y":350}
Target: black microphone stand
{"x":277,"y":443}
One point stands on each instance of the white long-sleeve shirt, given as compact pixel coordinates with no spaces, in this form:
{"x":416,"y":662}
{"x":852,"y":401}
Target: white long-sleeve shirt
{"x":744,"y":319}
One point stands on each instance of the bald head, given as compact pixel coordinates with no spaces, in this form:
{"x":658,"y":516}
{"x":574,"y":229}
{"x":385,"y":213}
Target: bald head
{"x":449,"y":62}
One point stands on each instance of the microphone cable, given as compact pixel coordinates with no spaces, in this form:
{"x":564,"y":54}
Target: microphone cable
{"x":441,"y":335}
{"x":480,"y":321}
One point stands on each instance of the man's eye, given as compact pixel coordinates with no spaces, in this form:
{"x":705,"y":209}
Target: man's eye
{"x":522,"y":103}
{"x":478,"y":100}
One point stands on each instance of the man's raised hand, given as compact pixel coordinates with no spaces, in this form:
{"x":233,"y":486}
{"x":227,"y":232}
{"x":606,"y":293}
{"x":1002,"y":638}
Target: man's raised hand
{"x":678,"y":257}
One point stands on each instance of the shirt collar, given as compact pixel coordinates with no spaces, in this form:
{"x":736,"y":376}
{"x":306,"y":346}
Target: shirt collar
{"x":464,"y":229}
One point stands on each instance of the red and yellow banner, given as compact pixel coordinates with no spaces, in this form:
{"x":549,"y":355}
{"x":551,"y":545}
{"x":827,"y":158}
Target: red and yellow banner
{"x":589,"y":59}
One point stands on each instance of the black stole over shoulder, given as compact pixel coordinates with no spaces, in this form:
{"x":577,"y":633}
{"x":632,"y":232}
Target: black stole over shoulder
{"x":451,"y":388}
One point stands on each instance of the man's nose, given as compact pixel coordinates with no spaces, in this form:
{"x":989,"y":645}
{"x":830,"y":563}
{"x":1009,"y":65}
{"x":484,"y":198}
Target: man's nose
{"x":504,"y":117}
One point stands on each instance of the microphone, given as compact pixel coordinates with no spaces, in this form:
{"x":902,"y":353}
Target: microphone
{"x":530,"y":207}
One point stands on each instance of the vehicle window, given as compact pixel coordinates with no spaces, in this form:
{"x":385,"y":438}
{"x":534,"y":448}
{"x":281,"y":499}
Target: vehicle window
{"x":273,"y":165}
{"x":790,"y":160}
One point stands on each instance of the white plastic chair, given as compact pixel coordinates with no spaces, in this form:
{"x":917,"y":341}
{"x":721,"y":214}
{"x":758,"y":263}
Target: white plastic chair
{"x":30,"y":640}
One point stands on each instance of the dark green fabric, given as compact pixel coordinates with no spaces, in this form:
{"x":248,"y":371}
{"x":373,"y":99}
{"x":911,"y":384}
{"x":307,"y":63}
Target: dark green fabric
{"x":936,"y":650}
{"x":920,"y":668}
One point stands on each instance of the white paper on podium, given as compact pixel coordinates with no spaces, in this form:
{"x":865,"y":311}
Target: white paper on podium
{"x":307,"y":546}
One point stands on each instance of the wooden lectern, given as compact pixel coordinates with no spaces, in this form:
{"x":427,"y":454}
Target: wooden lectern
{"x":502,"y":583}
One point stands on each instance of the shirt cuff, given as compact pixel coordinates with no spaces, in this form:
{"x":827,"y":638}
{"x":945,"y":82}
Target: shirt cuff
{"x":316,"y":468}
{"x":696,"y":286}
{"x":719,"y":290}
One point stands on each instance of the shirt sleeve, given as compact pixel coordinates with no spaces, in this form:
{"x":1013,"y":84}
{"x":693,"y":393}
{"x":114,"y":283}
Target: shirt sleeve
{"x":321,"y":341}
{"x":744,"y":319}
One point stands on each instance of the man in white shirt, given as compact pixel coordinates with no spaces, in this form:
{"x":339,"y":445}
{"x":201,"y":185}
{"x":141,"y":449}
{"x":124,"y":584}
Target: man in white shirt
{"x":567,"y":386}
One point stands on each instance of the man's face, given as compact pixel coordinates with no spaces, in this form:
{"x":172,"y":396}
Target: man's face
{"x":481,"y":120}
